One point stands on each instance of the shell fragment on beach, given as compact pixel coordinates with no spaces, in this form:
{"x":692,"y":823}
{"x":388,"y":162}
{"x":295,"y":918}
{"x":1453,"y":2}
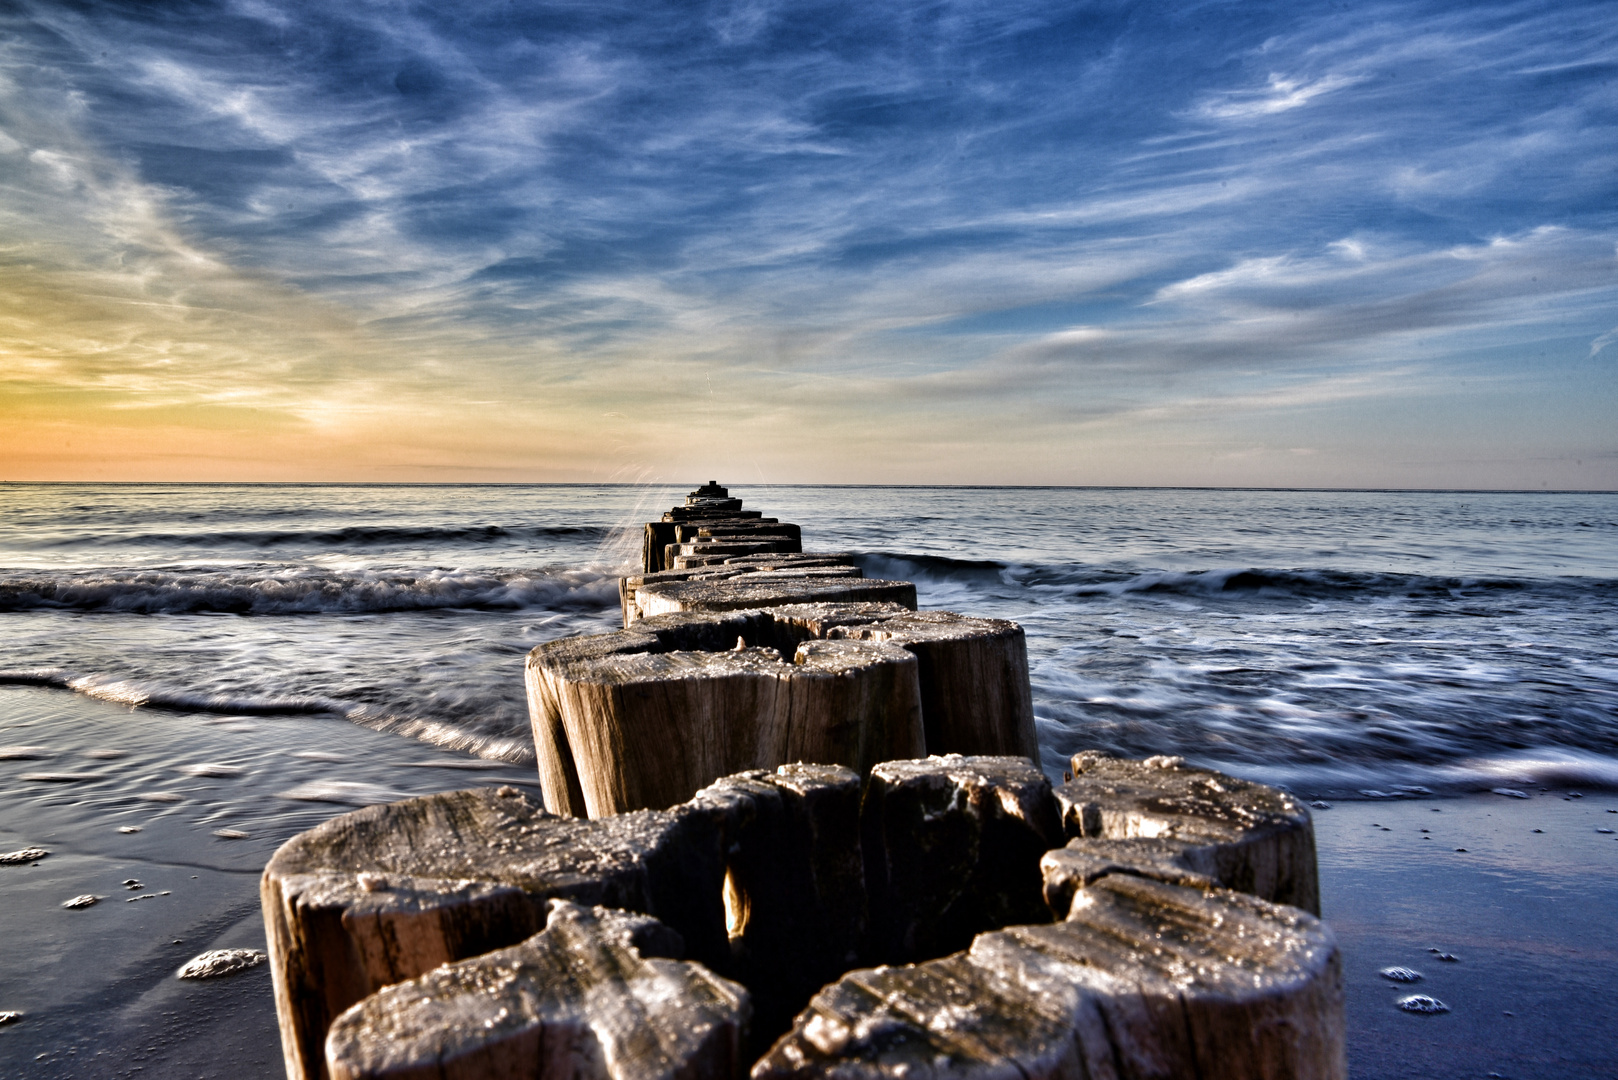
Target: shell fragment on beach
{"x":83,"y":901}
{"x":217,"y":962}
{"x":1400,"y":974}
{"x":26,"y":855}
{"x":1422,"y":1004}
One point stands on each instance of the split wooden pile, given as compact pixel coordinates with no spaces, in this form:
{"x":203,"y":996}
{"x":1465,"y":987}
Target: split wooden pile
{"x":453,"y":935}
{"x":711,"y":555}
{"x":879,"y":913}
{"x":1160,"y":966}
{"x":646,"y":716}
{"x":712,"y":526}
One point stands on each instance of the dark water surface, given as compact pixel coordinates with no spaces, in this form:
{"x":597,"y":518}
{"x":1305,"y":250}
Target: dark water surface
{"x":262,"y":657}
{"x":1330,"y":640}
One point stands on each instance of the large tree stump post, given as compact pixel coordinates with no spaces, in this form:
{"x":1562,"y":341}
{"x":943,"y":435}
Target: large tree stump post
{"x":1142,"y":980}
{"x":779,"y":879}
{"x":952,"y":847}
{"x":975,"y":695}
{"x":1234,"y":833}
{"x":587,"y":998}
{"x":648,"y":729}
{"x":794,"y":891}
{"x":645,"y":716}
{"x":387,"y":893}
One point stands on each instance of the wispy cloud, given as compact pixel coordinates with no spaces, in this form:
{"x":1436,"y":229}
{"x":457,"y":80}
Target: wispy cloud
{"x":1279,"y":95}
{"x":878,"y":218}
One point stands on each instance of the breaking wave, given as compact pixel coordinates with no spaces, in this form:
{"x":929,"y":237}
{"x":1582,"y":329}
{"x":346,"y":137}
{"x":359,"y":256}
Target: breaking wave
{"x":286,"y":591}
{"x":355,"y":536}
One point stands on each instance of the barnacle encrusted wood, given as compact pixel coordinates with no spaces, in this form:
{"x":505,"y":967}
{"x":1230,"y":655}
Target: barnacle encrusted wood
{"x":1235,"y":833}
{"x":645,"y":716}
{"x":1143,"y":979}
{"x":597,"y":995}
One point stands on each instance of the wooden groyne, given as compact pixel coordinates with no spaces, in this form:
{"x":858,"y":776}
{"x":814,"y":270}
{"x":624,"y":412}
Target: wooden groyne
{"x":786,"y":834}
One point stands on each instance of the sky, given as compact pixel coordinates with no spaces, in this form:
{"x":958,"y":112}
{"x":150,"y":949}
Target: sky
{"x":1295,"y":244}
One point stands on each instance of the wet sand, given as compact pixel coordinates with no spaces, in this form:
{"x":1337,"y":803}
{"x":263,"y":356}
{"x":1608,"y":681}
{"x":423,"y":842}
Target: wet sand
{"x":1532,"y":917}
{"x":97,"y":986}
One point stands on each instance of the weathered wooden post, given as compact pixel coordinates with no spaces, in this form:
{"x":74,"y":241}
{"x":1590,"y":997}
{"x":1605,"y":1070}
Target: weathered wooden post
{"x":645,"y":716}
{"x":474,"y":934}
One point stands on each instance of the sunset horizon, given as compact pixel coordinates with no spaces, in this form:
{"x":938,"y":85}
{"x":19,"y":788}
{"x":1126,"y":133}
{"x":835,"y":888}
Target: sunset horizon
{"x":1272,"y":245}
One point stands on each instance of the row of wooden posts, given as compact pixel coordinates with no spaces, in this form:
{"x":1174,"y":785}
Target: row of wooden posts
{"x":795,"y":828}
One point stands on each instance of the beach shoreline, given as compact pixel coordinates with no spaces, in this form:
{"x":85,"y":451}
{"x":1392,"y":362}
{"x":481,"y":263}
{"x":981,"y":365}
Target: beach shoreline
{"x":1531,"y":916}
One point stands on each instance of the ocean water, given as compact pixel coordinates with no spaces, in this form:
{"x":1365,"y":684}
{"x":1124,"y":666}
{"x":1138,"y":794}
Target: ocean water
{"x":1332,"y":641}
{"x":190,"y":675}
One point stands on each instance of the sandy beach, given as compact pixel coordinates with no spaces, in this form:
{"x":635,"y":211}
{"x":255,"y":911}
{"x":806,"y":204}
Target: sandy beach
{"x":97,"y":985}
{"x":1530,"y":916}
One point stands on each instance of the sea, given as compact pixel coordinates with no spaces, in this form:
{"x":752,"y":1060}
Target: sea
{"x":1324,"y":640}
{"x":192,"y":674}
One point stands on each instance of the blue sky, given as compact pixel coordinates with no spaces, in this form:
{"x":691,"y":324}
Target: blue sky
{"x":1190,"y":243}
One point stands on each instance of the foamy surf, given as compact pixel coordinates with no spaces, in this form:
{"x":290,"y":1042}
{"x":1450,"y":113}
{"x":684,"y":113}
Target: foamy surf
{"x":302,"y":591}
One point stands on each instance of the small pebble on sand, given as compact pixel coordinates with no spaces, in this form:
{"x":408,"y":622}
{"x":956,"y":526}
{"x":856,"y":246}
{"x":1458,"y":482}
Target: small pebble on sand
{"x":80,"y":901}
{"x":1321,"y":804}
{"x":133,"y":884}
{"x":1400,"y":974}
{"x":26,"y":855}
{"x":1607,"y":831}
{"x":1539,"y":830}
{"x":230,"y":834}
{"x":8,"y":1016}
{"x":129,"y":828}
{"x":1462,"y":850}
{"x":218,"y":962}
{"x":1511,"y":793}
{"x":1421,"y":1003}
